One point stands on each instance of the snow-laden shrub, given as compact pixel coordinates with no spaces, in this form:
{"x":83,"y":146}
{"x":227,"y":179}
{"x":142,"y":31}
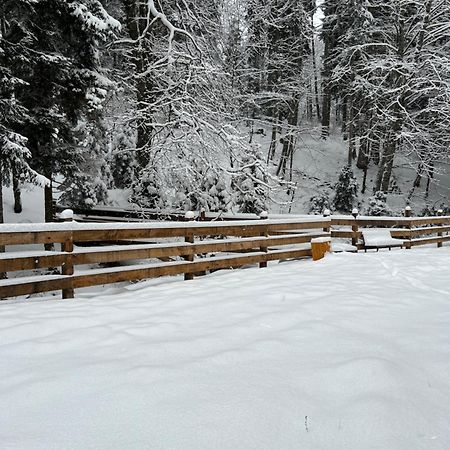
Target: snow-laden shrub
{"x":250,"y":184}
{"x":81,"y":191}
{"x":215,"y":196}
{"x":345,"y":191}
{"x":146,"y":190}
{"x":319,"y":203}
{"x":378,"y":206}
{"x":433,"y":210}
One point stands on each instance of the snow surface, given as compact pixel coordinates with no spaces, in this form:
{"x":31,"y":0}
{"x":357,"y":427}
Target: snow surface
{"x":351,"y":352}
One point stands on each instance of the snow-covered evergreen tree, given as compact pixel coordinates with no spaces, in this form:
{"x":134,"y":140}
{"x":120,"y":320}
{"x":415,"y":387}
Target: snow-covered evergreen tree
{"x":345,"y":191}
{"x":147,"y":191}
{"x":251,"y":184}
{"x":58,"y":45}
{"x":319,"y":203}
{"x":377,"y":205}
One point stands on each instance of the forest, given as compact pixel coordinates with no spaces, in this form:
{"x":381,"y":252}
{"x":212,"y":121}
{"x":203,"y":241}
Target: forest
{"x":204,"y":104}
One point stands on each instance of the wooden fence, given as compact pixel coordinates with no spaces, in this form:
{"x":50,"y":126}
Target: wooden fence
{"x":184,"y":248}
{"x":161,"y":249}
{"x":414,"y":231}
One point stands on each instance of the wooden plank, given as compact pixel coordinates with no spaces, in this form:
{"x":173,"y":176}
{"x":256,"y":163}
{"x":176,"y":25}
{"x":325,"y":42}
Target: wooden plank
{"x":35,"y":237}
{"x":181,"y":267}
{"x":183,"y":249}
{"x":429,"y":230}
{"x":17,"y":287}
{"x":14,"y":263}
{"x":394,"y":222}
{"x":432,"y":240}
{"x":430,"y":220}
{"x":219,"y":229}
{"x":344,"y":234}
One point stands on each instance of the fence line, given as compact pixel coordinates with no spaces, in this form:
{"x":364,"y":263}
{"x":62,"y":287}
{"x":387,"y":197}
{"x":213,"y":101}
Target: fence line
{"x":236,"y":243}
{"x":176,"y":248}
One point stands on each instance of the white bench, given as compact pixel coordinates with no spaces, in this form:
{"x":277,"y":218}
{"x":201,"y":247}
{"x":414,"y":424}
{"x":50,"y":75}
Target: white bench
{"x":380,"y":238}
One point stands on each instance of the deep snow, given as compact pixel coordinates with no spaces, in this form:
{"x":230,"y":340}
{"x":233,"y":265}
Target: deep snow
{"x":351,"y":352}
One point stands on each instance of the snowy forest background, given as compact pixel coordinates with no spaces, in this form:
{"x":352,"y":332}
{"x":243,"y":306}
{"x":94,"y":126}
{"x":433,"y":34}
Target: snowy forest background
{"x":227,"y":105}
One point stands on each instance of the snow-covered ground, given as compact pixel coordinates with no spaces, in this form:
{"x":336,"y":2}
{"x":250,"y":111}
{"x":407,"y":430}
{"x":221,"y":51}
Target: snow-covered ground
{"x":351,"y":352}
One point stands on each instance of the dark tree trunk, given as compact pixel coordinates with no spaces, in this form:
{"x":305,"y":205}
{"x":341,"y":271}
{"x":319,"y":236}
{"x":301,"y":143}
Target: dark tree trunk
{"x":2,"y":247}
{"x":16,"y":192}
{"x":386,"y":164}
{"x":351,"y":134}
{"x":326,"y":111}
{"x":273,"y":143}
{"x":48,"y":205}
{"x":344,"y":120}
{"x":316,"y":82}
{"x":136,"y":14}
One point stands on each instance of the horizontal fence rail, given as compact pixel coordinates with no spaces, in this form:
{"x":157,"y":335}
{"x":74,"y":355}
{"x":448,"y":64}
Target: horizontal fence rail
{"x":160,"y":249}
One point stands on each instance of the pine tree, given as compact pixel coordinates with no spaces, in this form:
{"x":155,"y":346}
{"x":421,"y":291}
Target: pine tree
{"x":377,"y":205}
{"x":251,"y":184}
{"x":59,"y":82}
{"x":319,"y":203}
{"x":345,"y":191}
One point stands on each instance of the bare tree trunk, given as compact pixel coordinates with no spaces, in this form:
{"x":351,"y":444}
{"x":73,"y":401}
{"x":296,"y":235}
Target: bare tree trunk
{"x":386,"y":164}
{"x":2,"y":247}
{"x":316,"y":81}
{"x":326,"y":111}
{"x":273,"y":143}
{"x":351,"y":134}
{"x":344,"y":120}
{"x":16,"y":191}
{"x":48,"y":205}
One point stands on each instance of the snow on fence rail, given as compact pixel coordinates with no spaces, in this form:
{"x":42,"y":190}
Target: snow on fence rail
{"x":203,"y":246}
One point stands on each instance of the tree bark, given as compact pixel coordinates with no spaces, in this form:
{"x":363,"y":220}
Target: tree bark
{"x":2,"y":247}
{"x":16,"y":191}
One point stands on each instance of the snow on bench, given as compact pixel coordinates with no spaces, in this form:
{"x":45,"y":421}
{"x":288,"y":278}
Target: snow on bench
{"x":380,"y":238}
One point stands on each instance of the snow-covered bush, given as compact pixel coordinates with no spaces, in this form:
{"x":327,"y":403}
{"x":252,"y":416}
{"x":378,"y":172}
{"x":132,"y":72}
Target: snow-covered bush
{"x":378,"y":206}
{"x":345,"y":191}
{"x":122,"y":161}
{"x":250,"y":184}
{"x":433,"y":210}
{"x":215,"y":194}
{"x":319,"y":203}
{"x":84,"y":192}
{"x":146,"y":190}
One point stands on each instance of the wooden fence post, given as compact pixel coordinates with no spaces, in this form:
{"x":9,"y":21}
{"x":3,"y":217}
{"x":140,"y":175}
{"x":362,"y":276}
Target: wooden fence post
{"x":355,"y":228}
{"x":264,"y":216}
{"x":440,"y":213}
{"x":67,"y":246}
{"x":189,"y":238}
{"x":408,"y":213}
{"x":326,"y":214}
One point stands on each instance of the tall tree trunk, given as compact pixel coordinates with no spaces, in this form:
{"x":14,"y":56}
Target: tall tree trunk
{"x":273,"y":143}
{"x":48,"y":205}
{"x":386,"y":164}
{"x":344,"y":128}
{"x":351,"y":134}
{"x":326,"y":111}
{"x":316,"y":81}
{"x":136,"y":21}
{"x":2,"y":247}
{"x":16,"y":191}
